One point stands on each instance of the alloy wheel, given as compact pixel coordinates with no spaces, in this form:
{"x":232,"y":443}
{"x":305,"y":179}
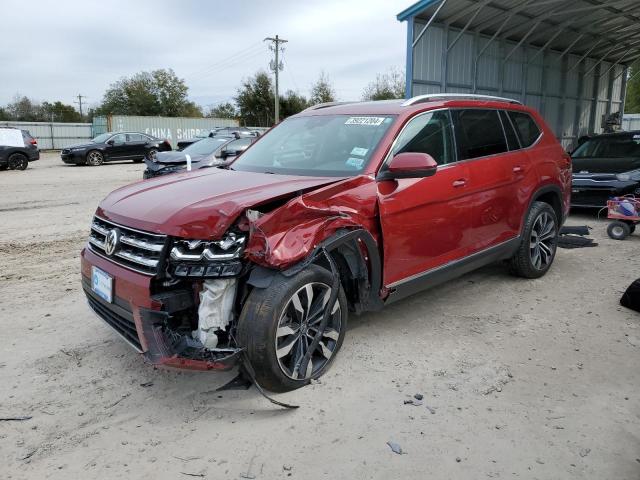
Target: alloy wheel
{"x":299,"y":325}
{"x":94,"y":158}
{"x":543,"y":241}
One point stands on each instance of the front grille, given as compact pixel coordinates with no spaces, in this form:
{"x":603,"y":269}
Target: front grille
{"x":135,"y":249}
{"x":122,"y":323}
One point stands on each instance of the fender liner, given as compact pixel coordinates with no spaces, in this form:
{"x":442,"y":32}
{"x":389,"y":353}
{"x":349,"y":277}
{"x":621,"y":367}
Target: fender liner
{"x":536,"y":195}
{"x":369,"y":274}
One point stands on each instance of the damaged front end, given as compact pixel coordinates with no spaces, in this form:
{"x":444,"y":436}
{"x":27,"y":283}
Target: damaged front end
{"x":193,"y":324}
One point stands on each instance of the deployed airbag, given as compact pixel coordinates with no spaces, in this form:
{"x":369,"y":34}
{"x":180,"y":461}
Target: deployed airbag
{"x":214,"y":312}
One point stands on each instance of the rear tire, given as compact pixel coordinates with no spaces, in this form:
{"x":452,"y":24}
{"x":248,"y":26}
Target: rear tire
{"x":618,"y":230}
{"x":277,"y":323}
{"x":18,"y":161}
{"x":539,"y":242}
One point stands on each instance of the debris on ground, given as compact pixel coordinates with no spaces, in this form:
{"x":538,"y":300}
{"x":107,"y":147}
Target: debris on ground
{"x":396,"y":448}
{"x":147,"y":384}
{"x":575,"y":237}
{"x":411,"y":401}
{"x":584,"y":452}
{"x":431,"y":409}
{"x":15,"y":419}
{"x":418,"y":396}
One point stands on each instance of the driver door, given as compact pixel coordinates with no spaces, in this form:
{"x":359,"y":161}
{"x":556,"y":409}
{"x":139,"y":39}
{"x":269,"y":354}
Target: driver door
{"x":425,"y":221}
{"x":117,"y":146}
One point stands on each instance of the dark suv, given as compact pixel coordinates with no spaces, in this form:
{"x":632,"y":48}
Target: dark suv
{"x":16,"y":154}
{"x":606,"y":166}
{"x":111,"y":146}
{"x":338,"y":210}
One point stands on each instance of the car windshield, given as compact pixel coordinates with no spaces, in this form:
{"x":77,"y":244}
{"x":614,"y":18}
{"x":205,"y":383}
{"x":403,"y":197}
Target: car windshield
{"x":619,"y":146}
{"x":206,"y":146}
{"x":102,"y":138}
{"x":323,"y":145}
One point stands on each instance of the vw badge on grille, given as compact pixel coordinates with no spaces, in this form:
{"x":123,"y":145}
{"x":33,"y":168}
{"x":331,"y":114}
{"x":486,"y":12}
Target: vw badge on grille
{"x":112,"y":241}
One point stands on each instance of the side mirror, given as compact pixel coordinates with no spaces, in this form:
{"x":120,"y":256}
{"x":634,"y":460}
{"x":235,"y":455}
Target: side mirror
{"x":110,"y":142}
{"x":409,"y":165}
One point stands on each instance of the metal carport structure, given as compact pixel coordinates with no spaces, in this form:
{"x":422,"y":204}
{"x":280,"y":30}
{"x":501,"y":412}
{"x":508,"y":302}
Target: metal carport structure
{"x":567,"y":58}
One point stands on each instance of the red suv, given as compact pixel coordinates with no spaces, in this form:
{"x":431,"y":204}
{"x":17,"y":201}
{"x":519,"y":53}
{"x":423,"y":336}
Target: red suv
{"x":341,"y":209}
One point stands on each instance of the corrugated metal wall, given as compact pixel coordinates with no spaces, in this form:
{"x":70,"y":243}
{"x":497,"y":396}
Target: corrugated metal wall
{"x":571,"y":101}
{"x":631,"y":122}
{"x":56,"y":135}
{"x":170,"y":128}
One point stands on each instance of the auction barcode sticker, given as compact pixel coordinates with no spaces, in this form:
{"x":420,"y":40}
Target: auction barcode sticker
{"x":373,"y":121}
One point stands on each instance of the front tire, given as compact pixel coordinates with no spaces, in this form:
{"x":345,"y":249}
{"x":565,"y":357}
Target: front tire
{"x":17,"y":161}
{"x":277,"y":325}
{"x":95,"y":158}
{"x":539,"y":242}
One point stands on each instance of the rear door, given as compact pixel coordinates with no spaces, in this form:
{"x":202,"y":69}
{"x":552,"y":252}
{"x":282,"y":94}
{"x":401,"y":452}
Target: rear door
{"x":482,"y":146}
{"x":425,"y":221}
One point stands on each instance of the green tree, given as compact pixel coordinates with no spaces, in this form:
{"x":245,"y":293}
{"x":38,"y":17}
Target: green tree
{"x":23,"y":109}
{"x":224,"y":110}
{"x":322,"y":91}
{"x":159,"y":92}
{"x":3,"y":114}
{"x":255,"y":100}
{"x":59,"y":112}
{"x":386,"y":86}
{"x":632,"y":102}
{"x":292,"y":103}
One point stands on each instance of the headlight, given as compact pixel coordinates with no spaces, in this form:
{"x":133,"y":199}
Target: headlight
{"x":632,"y":176}
{"x":207,"y":259}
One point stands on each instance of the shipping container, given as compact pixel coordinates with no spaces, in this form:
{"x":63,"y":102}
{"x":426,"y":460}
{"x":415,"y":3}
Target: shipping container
{"x":172,"y":129}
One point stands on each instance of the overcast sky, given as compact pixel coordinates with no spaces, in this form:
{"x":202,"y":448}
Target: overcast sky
{"x":53,"y":50}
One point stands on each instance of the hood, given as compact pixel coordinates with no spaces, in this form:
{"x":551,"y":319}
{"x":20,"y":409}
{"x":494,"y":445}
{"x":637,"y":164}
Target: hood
{"x":176,"y":157}
{"x":604,"y":165}
{"x":201,"y":204}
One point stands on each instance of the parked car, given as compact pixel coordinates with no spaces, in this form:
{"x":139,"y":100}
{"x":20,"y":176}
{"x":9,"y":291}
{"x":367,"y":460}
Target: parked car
{"x":14,"y":156}
{"x":114,"y":146}
{"x":224,"y":131}
{"x":606,"y":166}
{"x":208,"y":152}
{"x":336,"y":211}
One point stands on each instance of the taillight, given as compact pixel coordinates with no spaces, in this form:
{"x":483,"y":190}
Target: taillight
{"x":33,"y":141}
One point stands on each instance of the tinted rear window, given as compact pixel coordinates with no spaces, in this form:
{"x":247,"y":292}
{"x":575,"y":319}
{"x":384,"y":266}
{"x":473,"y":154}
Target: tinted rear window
{"x":479,"y":133}
{"x":526,"y":127}
{"x":512,"y":139}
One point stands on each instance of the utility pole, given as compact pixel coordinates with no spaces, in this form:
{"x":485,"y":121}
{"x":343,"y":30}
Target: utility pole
{"x":276,"y":65}
{"x":79,"y":102}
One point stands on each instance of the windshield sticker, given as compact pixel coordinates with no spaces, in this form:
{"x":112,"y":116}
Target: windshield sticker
{"x":361,"y":152}
{"x":355,"y":162}
{"x":372,"y":121}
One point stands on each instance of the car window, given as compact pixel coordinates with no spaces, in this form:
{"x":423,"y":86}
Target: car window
{"x":428,"y":133}
{"x":136,"y":137}
{"x":318,"y":145}
{"x":620,"y":146}
{"x":238,"y":144}
{"x":526,"y":127}
{"x":118,"y":139}
{"x":512,"y":139}
{"x":478,"y":133}
{"x":206,"y":146}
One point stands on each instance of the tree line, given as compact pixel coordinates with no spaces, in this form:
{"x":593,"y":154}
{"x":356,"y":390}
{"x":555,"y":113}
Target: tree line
{"x":162,"y":93}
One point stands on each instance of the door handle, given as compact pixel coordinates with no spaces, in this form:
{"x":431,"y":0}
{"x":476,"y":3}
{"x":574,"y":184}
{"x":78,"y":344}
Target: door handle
{"x":517,"y":169}
{"x":461,"y":182}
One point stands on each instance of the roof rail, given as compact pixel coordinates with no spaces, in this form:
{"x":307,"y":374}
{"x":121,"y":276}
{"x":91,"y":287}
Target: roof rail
{"x":326,"y":105}
{"x":456,"y":96}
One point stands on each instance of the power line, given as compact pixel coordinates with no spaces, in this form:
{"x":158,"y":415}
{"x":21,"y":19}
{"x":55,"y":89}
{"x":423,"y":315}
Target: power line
{"x":276,"y":66}
{"x":223,"y":60}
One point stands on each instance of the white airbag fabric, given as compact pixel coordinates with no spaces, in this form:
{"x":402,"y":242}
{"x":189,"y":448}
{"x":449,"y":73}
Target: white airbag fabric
{"x":214,"y":312}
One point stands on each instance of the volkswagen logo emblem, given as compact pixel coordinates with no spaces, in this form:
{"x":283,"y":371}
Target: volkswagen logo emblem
{"x":112,"y":241}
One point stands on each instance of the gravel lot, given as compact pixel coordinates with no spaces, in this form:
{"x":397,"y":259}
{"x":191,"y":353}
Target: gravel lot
{"x":526,"y":379}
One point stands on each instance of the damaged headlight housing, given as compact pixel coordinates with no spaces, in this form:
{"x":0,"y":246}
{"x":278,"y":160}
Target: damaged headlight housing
{"x":207,"y":259}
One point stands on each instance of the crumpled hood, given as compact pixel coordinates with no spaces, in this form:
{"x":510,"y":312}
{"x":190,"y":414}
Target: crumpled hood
{"x":201,"y":204}
{"x":176,"y":157}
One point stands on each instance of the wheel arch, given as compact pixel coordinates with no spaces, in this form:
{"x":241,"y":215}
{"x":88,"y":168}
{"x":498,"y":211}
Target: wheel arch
{"x":354,"y":257}
{"x":551,"y":195}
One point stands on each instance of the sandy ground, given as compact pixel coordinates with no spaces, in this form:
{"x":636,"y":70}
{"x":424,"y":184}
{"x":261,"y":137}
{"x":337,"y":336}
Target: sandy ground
{"x":525,"y":379}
